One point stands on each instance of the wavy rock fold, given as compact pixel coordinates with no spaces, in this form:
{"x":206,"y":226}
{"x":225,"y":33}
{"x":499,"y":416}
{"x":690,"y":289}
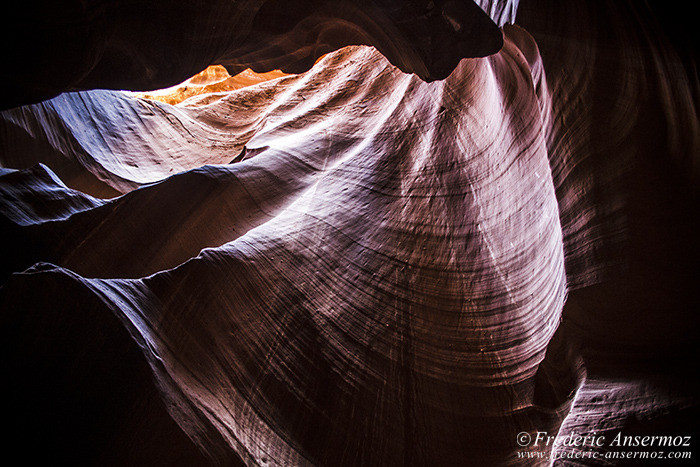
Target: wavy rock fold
{"x":354,"y":265}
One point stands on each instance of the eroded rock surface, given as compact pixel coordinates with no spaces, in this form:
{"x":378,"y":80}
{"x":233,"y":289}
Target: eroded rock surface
{"x":355,"y":265}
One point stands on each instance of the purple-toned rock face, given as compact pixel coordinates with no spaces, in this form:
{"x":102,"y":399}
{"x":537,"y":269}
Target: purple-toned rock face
{"x":448,"y":235}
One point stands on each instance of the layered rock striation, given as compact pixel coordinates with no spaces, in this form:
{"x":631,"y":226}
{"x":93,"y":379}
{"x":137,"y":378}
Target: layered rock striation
{"x":395,"y":255}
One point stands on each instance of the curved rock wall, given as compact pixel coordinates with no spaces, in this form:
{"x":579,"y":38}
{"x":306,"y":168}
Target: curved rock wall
{"x":358,"y":266}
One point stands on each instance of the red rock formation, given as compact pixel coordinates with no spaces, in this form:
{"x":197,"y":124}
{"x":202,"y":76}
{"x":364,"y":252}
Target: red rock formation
{"x":214,"y":79}
{"x":354,"y":265}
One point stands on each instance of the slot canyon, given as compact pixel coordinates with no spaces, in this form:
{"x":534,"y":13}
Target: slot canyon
{"x":349,"y":232}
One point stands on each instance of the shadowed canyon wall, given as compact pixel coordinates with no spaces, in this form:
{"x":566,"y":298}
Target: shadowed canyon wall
{"x":441,"y":227}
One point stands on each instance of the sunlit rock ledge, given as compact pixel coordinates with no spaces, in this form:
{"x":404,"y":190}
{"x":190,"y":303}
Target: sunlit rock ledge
{"x":213,"y":79}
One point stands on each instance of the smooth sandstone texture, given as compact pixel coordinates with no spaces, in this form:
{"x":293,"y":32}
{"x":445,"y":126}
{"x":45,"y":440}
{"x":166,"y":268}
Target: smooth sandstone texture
{"x":381,"y":298}
{"x":357,"y":266}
